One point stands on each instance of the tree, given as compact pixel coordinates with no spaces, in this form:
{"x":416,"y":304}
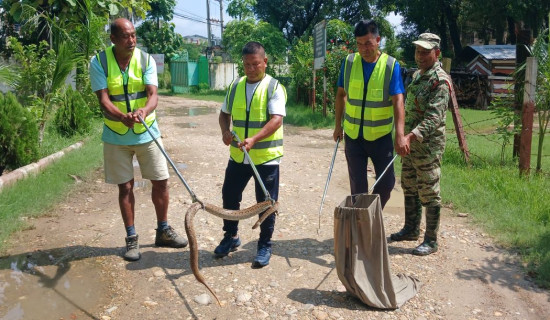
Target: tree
{"x":53,"y":20}
{"x":340,"y":42}
{"x":43,"y":74}
{"x":293,"y":18}
{"x":238,"y":33}
{"x":241,"y":9}
{"x":160,"y":40}
{"x":161,"y":10}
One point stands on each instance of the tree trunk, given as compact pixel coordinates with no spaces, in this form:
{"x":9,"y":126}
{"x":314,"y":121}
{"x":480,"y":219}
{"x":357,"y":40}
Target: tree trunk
{"x":511,"y":30}
{"x":41,"y":128}
{"x":499,"y":33}
{"x":454,"y":31}
{"x":442,"y":29}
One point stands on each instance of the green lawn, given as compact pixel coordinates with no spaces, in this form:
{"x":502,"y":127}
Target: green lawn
{"x":514,"y":210}
{"x":51,"y":185}
{"x":207,"y":95}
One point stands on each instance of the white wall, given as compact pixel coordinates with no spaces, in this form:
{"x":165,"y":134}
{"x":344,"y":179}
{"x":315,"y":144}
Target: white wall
{"x":221,"y":75}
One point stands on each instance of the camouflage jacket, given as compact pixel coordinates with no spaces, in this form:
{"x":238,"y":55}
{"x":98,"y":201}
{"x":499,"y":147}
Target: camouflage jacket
{"x":425,"y":109}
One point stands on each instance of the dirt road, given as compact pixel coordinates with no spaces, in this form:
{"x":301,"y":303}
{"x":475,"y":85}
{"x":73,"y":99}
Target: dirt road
{"x":68,"y":265}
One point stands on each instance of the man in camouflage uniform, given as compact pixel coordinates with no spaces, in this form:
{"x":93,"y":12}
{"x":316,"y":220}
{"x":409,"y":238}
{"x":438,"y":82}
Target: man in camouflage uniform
{"x":425,"y":107}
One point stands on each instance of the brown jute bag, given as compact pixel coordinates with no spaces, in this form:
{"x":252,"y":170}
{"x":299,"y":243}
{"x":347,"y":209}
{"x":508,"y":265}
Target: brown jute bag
{"x":361,"y":254}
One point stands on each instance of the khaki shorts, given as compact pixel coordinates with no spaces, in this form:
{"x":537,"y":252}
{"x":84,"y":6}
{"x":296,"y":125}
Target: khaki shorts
{"x":119,"y":167}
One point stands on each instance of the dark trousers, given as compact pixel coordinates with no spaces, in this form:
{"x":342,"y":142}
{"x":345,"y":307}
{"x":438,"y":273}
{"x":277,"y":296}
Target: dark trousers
{"x":237,"y":176}
{"x":380,"y":151}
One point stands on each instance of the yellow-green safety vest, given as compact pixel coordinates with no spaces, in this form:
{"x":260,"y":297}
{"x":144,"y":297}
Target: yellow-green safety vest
{"x":136,"y":93}
{"x":248,"y":123}
{"x":378,"y":111}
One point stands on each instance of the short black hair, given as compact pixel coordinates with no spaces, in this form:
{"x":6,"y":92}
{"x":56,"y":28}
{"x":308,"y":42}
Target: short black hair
{"x":253,"y":47}
{"x":365,"y":27}
{"x":114,"y":28}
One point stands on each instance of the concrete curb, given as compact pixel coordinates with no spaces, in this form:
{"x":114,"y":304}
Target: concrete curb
{"x":35,"y":167}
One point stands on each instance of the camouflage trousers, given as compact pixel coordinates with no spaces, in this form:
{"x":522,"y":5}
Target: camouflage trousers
{"x":420,"y":176}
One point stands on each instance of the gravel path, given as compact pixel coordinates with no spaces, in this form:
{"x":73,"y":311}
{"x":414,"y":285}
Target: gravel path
{"x":70,"y":258}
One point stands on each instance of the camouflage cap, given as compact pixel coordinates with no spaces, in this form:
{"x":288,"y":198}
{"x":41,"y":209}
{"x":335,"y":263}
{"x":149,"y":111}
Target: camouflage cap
{"x":428,"y":41}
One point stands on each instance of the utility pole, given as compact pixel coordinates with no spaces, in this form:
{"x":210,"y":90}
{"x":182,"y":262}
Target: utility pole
{"x":221,"y":19}
{"x":209,"y":42}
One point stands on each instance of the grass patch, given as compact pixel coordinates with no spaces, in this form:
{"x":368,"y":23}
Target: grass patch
{"x":37,"y":194}
{"x":303,"y":116}
{"x":207,"y":95}
{"x":512,"y":209}
{"x":54,"y":142}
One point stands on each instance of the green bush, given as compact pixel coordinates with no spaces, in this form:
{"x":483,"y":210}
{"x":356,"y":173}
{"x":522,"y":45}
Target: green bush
{"x":73,"y":116}
{"x":18,"y":134}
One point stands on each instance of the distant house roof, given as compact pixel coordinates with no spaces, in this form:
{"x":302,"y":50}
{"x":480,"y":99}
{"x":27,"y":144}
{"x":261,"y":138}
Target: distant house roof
{"x":490,"y":52}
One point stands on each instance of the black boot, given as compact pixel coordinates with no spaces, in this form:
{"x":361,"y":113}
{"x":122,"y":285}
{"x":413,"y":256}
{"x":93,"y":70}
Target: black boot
{"x":429,"y":245}
{"x":413,"y":215}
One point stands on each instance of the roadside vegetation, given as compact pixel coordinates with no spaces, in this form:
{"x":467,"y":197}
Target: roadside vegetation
{"x":37,"y":194}
{"x":196,"y":94}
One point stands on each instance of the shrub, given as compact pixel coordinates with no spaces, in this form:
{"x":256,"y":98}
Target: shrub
{"x":73,"y":116}
{"x":18,"y":134}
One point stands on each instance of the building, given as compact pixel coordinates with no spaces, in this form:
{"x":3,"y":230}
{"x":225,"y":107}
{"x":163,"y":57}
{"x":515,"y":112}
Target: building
{"x":497,"y":62}
{"x":196,"y":39}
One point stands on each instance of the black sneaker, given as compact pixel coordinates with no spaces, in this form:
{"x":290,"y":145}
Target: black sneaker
{"x":228,"y":244}
{"x":169,"y":238}
{"x":262,"y":257}
{"x":132,"y":248}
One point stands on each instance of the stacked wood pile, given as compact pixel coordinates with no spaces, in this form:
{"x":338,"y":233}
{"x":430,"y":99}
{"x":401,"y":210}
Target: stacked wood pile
{"x":472,"y":90}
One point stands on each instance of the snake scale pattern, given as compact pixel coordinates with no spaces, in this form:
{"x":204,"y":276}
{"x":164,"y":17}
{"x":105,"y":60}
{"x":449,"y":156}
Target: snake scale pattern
{"x":267,"y":207}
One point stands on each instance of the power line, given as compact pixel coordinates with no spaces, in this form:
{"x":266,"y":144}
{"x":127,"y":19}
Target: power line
{"x":185,"y":17}
{"x":191,"y":13}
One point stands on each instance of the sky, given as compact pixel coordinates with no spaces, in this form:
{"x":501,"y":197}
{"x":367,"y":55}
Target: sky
{"x":190,"y":17}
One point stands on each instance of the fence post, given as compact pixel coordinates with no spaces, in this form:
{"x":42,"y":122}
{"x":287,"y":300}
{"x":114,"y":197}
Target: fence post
{"x":527,"y":116}
{"x":313,"y":93}
{"x":457,"y":120}
{"x":524,"y":40}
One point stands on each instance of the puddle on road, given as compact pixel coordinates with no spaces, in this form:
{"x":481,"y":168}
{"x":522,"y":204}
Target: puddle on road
{"x":186,"y":125}
{"x":33,"y":287}
{"x":185,"y":111}
{"x":181,"y":166}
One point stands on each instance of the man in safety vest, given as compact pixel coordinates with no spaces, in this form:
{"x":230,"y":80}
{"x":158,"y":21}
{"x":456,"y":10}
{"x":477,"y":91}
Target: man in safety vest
{"x":124,"y":79}
{"x":254,"y":106}
{"x":369,"y":97}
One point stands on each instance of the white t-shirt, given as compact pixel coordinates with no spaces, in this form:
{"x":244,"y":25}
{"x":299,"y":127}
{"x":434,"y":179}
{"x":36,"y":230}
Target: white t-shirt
{"x":275,"y":105}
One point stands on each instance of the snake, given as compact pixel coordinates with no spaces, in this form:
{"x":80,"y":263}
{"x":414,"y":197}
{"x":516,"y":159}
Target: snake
{"x":267,"y":207}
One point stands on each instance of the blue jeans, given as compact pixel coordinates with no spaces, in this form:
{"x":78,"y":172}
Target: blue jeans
{"x":237,"y":176}
{"x":381,"y":153}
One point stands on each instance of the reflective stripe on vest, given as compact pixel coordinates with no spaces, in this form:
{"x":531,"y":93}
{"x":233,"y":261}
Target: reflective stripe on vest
{"x":137,"y":96}
{"x":248,"y":123}
{"x":378,"y":111}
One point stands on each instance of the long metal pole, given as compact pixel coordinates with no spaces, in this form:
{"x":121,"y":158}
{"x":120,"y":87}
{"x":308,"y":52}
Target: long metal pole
{"x":267,"y":196}
{"x":380,"y":177}
{"x":328,"y":180}
{"x":221,"y":19}
{"x":193,"y":196}
{"x":209,"y":42}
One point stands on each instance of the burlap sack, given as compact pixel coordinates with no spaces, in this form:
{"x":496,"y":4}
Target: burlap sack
{"x":361,"y":254}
